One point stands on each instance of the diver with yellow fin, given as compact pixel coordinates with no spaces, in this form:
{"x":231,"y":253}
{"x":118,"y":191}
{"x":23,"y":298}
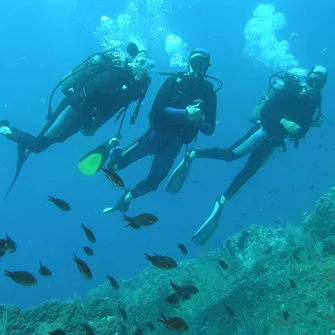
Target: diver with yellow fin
{"x":102,"y":86}
{"x":184,"y":106}
{"x":289,"y":109}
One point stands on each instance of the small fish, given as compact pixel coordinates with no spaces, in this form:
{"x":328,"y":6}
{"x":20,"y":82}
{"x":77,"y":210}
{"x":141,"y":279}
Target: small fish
{"x":88,"y":251}
{"x":57,"y":332}
{"x":22,"y":277}
{"x":151,"y":326}
{"x":61,"y":204}
{"x":113,"y":282}
{"x":141,"y":220}
{"x":172,"y":299}
{"x":229,"y":310}
{"x":44,"y":271}
{"x":7,"y":246}
{"x":88,"y":329}
{"x":123,"y":313}
{"x":175,"y":324}
{"x":89,"y":234}
{"x":113,"y":177}
{"x":286,"y":315}
{"x":223,"y":264}
{"x":184,"y":292}
{"x":182,"y":248}
{"x":83,"y":267}
{"x":10,"y":246}
{"x":138,"y":331}
{"x":162,"y":262}
{"x":293,"y":283}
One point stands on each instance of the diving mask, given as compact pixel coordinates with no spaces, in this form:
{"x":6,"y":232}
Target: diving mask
{"x":316,"y":80}
{"x":143,"y":63}
{"x":199,"y":63}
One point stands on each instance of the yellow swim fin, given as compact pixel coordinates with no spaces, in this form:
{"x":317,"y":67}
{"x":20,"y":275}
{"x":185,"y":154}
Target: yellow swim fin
{"x":94,"y":160}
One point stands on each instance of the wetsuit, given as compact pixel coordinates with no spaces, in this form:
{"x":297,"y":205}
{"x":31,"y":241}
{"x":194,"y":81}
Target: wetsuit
{"x":169,"y":129}
{"x":87,"y":109}
{"x":262,"y":139}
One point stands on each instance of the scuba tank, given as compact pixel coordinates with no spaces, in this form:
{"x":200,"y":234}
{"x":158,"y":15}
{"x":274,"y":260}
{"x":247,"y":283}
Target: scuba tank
{"x":285,"y":83}
{"x":93,"y":65}
{"x":76,"y":78}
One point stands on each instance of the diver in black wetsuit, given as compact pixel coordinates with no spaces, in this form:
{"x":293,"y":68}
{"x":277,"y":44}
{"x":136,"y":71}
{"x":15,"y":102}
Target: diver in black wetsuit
{"x":94,"y":92}
{"x":184,"y":105}
{"x":286,"y":112}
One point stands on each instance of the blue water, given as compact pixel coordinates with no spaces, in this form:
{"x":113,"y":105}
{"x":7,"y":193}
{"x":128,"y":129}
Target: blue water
{"x":40,"y":41}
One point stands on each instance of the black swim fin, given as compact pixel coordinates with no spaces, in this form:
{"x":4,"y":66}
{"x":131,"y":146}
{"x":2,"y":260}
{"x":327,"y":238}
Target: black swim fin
{"x":91,"y":163}
{"x":21,"y":159}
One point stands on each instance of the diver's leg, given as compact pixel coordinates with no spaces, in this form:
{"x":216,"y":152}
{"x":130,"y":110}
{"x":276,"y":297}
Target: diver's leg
{"x":244,"y":146}
{"x":144,"y":146}
{"x":257,"y":158}
{"x":160,"y":168}
{"x":254,"y":137}
{"x":63,"y":125}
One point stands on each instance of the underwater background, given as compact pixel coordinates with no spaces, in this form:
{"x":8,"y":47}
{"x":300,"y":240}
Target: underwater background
{"x":42,"y":40}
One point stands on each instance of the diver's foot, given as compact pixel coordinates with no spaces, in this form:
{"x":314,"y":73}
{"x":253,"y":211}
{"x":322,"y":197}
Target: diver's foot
{"x":5,"y":130}
{"x":122,"y":205}
{"x":4,"y":123}
{"x":114,"y":142}
{"x":210,"y":225}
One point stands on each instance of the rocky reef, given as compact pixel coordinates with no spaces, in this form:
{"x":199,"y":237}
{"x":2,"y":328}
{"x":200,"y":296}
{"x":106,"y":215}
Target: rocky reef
{"x":278,"y":281}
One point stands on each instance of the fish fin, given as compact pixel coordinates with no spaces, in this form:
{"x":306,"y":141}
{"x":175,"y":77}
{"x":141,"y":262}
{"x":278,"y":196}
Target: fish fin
{"x":127,"y":218}
{"x":8,"y":273}
{"x":148,"y":257}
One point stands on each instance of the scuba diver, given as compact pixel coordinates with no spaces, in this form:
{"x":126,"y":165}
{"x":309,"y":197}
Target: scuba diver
{"x":102,"y":86}
{"x":289,"y":109}
{"x":184,"y":105}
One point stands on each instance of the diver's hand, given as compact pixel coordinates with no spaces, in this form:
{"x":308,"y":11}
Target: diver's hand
{"x":194,"y":113}
{"x":318,"y":122}
{"x":290,"y":126}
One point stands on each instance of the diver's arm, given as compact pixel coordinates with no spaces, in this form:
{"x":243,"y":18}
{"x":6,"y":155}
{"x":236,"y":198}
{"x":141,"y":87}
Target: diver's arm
{"x":163,"y":97}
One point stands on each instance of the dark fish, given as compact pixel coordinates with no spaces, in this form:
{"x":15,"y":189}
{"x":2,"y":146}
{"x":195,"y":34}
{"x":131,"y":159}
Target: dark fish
{"x":123,"y":313}
{"x":229,"y":310}
{"x":88,"y":329}
{"x":7,"y":246}
{"x":286,"y":315}
{"x":293,"y":283}
{"x":184,"y":292}
{"x":162,"y":262}
{"x":61,"y":204}
{"x":83,"y":267}
{"x":172,"y":299}
{"x":57,"y":332}
{"x":151,"y":326}
{"x":88,"y":251}
{"x":22,"y":277}
{"x":89,"y":234}
{"x":113,"y":282}
{"x":113,"y":177}
{"x":187,"y":291}
{"x":10,"y":246}
{"x":182,"y":248}
{"x":138,"y":331}
{"x":223,"y":264}
{"x":141,"y":220}
{"x":44,"y":271}
{"x":175,"y":324}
